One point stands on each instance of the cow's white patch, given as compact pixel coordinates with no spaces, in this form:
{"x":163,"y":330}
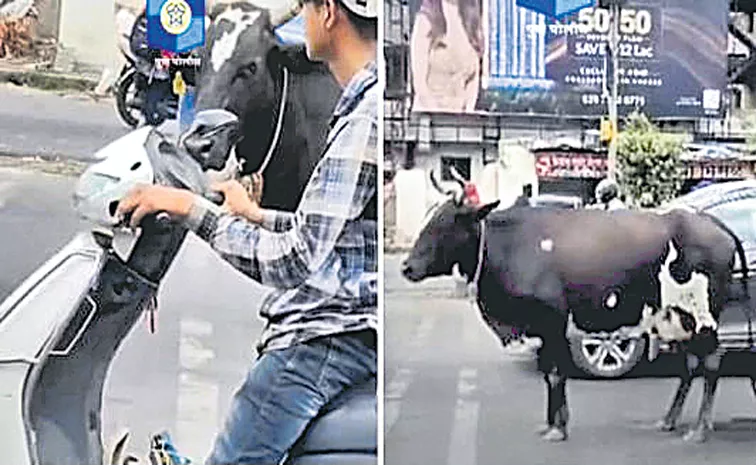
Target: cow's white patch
{"x":692,"y":296}
{"x":224,"y":47}
{"x":611,"y":300}
{"x":663,"y":324}
{"x":547,"y":245}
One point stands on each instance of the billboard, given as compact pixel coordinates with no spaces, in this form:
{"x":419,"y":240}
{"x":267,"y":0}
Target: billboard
{"x":175,"y":25}
{"x":492,"y":55}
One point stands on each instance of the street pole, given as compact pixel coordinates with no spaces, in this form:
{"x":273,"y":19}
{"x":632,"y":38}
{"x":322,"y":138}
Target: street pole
{"x":614,"y":99}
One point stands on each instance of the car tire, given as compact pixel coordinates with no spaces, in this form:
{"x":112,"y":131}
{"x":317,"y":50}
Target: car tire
{"x":605,"y":358}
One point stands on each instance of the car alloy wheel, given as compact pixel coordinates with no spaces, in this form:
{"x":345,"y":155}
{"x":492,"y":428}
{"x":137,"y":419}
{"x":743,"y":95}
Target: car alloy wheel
{"x":606,"y":357}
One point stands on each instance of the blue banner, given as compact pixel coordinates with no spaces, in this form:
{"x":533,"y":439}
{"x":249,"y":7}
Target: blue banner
{"x":175,"y":25}
{"x":556,"y":8}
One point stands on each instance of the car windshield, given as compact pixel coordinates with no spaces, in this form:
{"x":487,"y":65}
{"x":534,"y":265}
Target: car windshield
{"x":741,"y":218}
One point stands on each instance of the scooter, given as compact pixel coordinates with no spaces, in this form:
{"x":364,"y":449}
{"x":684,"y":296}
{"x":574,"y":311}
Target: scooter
{"x":130,"y":97}
{"x":60,"y":330}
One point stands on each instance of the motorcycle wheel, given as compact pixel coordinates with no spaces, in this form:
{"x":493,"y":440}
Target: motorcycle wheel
{"x":126,"y":112}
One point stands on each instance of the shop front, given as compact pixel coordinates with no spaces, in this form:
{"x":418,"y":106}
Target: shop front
{"x":577,"y":172}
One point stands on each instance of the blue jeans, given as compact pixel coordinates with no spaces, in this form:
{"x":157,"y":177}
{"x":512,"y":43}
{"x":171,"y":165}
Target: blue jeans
{"x":283,"y":391}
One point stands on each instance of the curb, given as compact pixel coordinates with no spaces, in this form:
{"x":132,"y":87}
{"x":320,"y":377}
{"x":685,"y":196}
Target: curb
{"x":46,"y":80}
{"x":395,"y":250}
{"x":45,"y":156}
{"x":44,"y":163}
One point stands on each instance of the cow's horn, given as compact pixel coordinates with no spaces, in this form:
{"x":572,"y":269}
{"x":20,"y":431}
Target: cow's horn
{"x":457,"y":177}
{"x":438,"y":187}
{"x":284,"y":13}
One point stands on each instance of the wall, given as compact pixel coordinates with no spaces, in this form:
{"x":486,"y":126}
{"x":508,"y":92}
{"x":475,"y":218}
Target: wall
{"x":415,"y":193}
{"x":87,"y":37}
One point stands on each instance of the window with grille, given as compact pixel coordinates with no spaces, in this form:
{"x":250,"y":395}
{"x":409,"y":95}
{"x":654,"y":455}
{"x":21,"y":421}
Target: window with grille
{"x":461,"y":164}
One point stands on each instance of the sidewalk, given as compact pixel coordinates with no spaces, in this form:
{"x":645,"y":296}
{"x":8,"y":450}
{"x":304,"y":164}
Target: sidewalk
{"x":28,"y":74}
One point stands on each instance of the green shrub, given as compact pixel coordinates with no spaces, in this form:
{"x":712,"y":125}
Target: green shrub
{"x":649,"y":169}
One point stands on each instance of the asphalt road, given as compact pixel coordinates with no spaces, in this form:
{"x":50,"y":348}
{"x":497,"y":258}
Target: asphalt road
{"x":452,"y":396}
{"x":181,"y":378}
{"x":34,"y":122}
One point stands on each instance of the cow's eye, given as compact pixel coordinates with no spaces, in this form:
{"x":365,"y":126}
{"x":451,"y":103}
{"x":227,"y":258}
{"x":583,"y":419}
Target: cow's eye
{"x":249,"y":70}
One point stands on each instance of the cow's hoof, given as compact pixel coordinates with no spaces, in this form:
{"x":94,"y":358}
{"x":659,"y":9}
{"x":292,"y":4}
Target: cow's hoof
{"x":665,"y":426}
{"x":555,"y":435}
{"x":697,"y":436}
{"x":543,"y":430}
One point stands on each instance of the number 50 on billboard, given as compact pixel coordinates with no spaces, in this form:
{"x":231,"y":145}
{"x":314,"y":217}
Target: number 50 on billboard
{"x":497,"y":56}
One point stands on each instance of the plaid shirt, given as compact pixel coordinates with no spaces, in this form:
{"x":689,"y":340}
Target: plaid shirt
{"x":322,"y":259}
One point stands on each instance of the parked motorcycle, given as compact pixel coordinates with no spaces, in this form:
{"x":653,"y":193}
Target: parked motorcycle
{"x":60,"y":330}
{"x":131,"y":90}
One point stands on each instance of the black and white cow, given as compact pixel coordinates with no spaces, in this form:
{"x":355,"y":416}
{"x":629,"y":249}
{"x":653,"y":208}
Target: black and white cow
{"x":662,"y":274}
{"x":284,"y":102}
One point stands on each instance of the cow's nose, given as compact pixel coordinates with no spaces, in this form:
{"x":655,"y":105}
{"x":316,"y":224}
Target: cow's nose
{"x":406,"y":268}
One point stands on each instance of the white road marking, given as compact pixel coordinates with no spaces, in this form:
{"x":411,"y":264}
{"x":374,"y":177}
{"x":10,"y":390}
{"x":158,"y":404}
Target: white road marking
{"x":197,"y":418}
{"x":392,"y":397}
{"x":198,"y":396}
{"x":463,"y":444}
{"x":5,"y":192}
{"x":224,"y":47}
{"x":397,"y":387}
{"x":192,"y":354}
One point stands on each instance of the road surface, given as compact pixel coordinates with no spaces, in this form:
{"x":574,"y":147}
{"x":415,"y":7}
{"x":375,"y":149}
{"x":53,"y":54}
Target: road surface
{"x":34,"y":122}
{"x":180,"y":379}
{"x":453,"y":397}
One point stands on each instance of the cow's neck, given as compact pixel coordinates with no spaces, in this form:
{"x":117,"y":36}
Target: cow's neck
{"x":472,"y":254}
{"x":283,"y":170}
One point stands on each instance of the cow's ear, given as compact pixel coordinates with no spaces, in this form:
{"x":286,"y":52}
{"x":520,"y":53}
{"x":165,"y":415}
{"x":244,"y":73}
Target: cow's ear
{"x":483,"y":211}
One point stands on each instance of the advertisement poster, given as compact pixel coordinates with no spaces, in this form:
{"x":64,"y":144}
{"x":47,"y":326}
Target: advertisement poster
{"x":494,"y":56}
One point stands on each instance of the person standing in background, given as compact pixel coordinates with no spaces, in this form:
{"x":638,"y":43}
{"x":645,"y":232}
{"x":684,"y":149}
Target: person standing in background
{"x":524,"y":199}
{"x":608,"y":196}
{"x":446,"y":55}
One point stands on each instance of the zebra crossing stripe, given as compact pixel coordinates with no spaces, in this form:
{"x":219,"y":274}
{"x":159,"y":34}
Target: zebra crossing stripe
{"x":463,"y":444}
{"x":198,"y":396}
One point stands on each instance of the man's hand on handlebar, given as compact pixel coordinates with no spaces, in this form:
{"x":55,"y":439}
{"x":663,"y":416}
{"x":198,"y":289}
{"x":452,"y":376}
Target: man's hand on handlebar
{"x":177,"y":203}
{"x":145,"y":200}
{"x":239,"y":200}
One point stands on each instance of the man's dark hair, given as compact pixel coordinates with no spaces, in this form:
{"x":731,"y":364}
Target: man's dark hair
{"x":367,"y":28}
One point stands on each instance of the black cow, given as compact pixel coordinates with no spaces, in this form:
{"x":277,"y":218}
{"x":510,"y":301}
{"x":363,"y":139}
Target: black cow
{"x":247,"y":72}
{"x":612,"y":270}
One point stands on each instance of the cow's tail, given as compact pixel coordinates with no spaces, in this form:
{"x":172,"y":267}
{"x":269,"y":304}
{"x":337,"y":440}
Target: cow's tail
{"x":741,"y":252}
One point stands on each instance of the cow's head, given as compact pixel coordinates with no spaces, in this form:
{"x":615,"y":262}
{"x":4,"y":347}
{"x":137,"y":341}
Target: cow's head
{"x":449,"y":235}
{"x":240,"y":72}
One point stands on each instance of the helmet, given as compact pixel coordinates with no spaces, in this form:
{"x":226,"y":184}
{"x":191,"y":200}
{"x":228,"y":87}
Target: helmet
{"x":364,"y":8}
{"x":606,"y":190}
{"x":121,"y":165}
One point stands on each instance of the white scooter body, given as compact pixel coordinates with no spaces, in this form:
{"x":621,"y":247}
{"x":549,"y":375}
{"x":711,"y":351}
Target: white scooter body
{"x":60,"y":330}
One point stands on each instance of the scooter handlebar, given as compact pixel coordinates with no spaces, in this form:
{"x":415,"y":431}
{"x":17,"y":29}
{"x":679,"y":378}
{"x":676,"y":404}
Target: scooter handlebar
{"x":163,"y":220}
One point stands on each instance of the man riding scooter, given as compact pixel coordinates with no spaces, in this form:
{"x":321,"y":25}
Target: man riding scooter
{"x":320,"y":336}
{"x":154,"y":81}
{"x":151,"y":84}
